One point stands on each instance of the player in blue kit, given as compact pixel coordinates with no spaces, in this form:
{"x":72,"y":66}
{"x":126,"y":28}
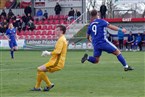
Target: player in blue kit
{"x":97,"y":35}
{"x":12,"y":36}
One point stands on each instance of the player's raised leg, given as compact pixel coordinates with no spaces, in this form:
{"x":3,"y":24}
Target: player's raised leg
{"x":93,"y":59}
{"x":122,"y":60}
{"x":90,"y":59}
{"x":15,"y":48}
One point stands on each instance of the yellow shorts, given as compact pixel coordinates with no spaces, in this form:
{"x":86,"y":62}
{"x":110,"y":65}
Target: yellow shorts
{"x":52,"y":66}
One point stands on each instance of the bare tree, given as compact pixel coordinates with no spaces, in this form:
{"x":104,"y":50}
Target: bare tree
{"x":143,"y":15}
{"x":90,"y":4}
{"x":133,"y":10}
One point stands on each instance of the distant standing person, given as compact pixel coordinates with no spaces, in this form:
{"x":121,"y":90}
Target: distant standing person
{"x":57,"y":9}
{"x":10,"y":14}
{"x":120,"y":38}
{"x":4,"y":13}
{"x":77,"y":14}
{"x":103,"y":10}
{"x":27,"y":10}
{"x":45,"y":14}
{"x":11,"y":36}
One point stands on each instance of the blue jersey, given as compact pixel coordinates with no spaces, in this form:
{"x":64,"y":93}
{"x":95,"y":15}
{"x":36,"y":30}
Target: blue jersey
{"x":11,"y":33}
{"x":100,"y":43}
{"x":120,"y":35}
{"x":97,"y":31}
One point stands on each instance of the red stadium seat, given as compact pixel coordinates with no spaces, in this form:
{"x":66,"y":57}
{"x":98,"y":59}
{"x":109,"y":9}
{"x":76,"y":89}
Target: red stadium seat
{"x":53,"y":37}
{"x":32,"y":37}
{"x":38,"y":32}
{"x":49,"y":27}
{"x":46,"y":22}
{"x":28,"y":32}
{"x":56,"y":22}
{"x":27,"y":36}
{"x":62,"y":17}
{"x":62,"y":21}
{"x":53,"y":27}
{"x":49,"y":36}
{"x":44,"y":32}
{"x":51,"y":22}
{"x":54,"y":33}
{"x":38,"y":27}
{"x":43,"y":37}
{"x":35,"y":22}
{"x":51,"y":32}
{"x":38,"y":37}
{"x":50,"y":17}
{"x":56,"y":17}
{"x":21,"y":33}
{"x":40,"y":22}
{"x":44,"y":27}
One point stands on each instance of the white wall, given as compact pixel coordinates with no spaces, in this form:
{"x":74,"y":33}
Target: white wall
{"x":15,"y":11}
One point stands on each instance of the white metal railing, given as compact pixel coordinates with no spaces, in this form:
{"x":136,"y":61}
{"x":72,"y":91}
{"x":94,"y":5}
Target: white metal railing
{"x":76,"y":25}
{"x":83,"y":20}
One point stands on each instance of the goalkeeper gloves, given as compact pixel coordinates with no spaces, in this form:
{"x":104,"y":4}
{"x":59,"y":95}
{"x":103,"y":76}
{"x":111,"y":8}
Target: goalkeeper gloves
{"x":45,"y":53}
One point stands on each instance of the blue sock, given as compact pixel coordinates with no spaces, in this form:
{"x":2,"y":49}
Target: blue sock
{"x":92,"y":59}
{"x":122,"y":60}
{"x":12,"y":54}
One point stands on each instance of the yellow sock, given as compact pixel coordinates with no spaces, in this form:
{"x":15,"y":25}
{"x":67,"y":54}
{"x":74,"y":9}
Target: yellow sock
{"x":39,"y":79}
{"x":45,"y":78}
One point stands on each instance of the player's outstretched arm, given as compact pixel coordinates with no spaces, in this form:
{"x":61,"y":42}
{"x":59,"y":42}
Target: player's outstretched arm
{"x":113,"y":27}
{"x":88,"y":37}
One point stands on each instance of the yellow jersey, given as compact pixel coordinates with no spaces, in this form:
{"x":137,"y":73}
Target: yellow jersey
{"x":58,"y":57}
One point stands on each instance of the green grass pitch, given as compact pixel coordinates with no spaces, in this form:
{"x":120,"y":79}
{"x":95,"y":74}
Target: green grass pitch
{"x":106,"y":79}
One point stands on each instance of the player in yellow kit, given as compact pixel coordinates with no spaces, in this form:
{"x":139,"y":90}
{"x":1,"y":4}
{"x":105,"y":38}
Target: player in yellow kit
{"x":56,"y":62}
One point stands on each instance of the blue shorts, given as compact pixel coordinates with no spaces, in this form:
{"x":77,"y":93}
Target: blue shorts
{"x":104,"y":46}
{"x":12,"y":44}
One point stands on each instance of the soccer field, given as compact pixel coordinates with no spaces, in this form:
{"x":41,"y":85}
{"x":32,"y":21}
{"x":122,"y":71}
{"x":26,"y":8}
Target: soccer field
{"x":106,"y":79}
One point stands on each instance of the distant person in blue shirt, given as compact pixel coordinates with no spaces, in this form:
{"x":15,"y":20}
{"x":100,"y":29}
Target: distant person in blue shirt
{"x":138,"y":42}
{"x":97,"y":35}
{"x":120,"y":38}
{"x":39,"y":14}
{"x":130,"y":41}
{"x":11,"y":36}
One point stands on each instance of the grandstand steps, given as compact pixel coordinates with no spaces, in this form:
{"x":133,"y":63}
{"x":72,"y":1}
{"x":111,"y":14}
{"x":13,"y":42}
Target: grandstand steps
{"x":73,"y":29}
